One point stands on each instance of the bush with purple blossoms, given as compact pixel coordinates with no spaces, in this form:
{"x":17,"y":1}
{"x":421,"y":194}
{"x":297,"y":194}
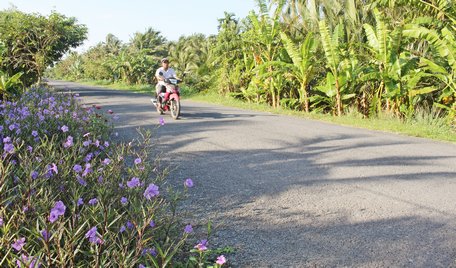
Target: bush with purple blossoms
{"x":71,"y":196}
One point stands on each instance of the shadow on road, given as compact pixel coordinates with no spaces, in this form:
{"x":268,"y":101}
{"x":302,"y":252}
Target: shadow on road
{"x":324,"y":197}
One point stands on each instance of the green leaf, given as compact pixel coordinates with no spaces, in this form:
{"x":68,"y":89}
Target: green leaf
{"x":424,"y":90}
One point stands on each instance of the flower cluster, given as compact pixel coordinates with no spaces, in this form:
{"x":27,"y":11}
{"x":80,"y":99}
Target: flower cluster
{"x":71,"y":191}
{"x":57,"y":211}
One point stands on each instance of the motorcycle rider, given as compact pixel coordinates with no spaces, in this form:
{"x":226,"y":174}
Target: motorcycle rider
{"x":163,"y":73}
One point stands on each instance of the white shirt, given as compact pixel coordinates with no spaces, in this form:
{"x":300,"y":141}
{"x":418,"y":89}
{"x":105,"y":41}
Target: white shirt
{"x":167,"y":74}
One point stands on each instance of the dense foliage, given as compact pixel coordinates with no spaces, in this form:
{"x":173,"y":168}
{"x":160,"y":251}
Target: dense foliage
{"x":331,"y":56}
{"x":29,"y":43}
{"x":71,"y":196}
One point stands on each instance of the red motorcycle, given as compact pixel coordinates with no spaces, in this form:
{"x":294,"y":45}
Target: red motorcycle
{"x":170,"y":99}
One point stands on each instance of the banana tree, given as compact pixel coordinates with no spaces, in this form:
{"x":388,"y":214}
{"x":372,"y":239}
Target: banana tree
{"x":303,"y":65}
{"x":326,"y":94}
{"x":397,"y":71}
{"x":333,"y":59}
{"x":443,"y":65}
{"x":264,"y":39}
{"x":384,"y":49}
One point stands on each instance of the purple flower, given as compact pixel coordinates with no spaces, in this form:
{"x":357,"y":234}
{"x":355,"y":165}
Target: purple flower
{"x":29,"y":148}
{"x":188,"y":183}
{"x":88,"y":157}
{"x":152,"y":224}
{"x":151,"y":191}
{"x":122,"y":229}
{"x":92,"y":236}
{"x":93,"y":201}
{"x":81,"y":181}
{"x":221,"y":260}
{"x":87,"y":170}
{"x":57,"y":211}
{"x":161,"y":121}
{"x":134,"y":182}
{"x":53,"y":217}
{"x":19,"y":244}
{"x":138,"y":161}
{"x":123,"y":200}
{"x":53,"y":168}
{"x":188,"y":229}
{"x":35,"y":133}
{"x":59,"y":208}
{"x":64,"y":129}
{"x":29,"y":262}
{"x":202,"y":246}
{"x":80,"y":202}
{"x":106,"y":144}
{"x":1,"y":222}
{"x":106,"y":162}
{"x":6,"y":140}
{"x":141,"y":266}
{"x":92,"y":232}
{"x":69,"y":142}
{"x":149,"y":251}
{"x":77,"y":168}
{"x":130,"y":225}
{"x":9,"y":148}
{"x":45,"y":234}
{"x":34,"y":175}
{"x":86,"y":143}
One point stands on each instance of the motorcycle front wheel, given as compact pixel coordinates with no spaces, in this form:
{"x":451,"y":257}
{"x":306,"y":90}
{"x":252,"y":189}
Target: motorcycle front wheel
{"x":175,"y":108}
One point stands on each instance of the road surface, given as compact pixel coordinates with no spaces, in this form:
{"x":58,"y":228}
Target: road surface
{"x":290,"y":192}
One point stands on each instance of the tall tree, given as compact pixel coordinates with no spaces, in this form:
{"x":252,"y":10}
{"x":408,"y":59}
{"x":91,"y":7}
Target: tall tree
{"x":34,"y":42}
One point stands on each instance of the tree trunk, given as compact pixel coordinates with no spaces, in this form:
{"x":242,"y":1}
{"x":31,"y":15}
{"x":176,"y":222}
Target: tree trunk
{"x":380,"y":93}
{"x":338,"y":98}
{"x":304,"y":97}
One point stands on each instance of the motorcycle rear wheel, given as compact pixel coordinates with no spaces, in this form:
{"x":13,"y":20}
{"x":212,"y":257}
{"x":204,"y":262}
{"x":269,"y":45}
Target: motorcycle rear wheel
{"x":175,"y":108}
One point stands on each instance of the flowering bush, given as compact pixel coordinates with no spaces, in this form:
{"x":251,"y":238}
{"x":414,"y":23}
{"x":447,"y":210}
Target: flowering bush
{"x":70,"y":196}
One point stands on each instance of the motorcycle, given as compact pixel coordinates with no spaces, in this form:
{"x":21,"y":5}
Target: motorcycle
{"x":170,"y":99}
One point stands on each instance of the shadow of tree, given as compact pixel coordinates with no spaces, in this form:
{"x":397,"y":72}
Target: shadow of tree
{"x":287,"y":192}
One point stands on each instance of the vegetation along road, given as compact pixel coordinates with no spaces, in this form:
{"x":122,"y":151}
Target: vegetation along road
{"x":284,"y":191}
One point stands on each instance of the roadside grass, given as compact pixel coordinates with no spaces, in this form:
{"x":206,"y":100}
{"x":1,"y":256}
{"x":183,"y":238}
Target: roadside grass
{"x":122,"y":86}
{"x":425,"y":124}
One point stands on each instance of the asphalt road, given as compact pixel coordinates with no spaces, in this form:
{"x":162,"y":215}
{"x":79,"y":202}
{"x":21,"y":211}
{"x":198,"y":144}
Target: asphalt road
{"x":289,"y":192}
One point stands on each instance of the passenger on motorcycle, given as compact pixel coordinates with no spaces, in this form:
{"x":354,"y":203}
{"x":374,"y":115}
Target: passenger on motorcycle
{"x":163,"y":73}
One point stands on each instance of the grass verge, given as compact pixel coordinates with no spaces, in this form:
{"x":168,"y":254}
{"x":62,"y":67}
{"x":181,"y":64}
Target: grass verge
{"x":425,"y":125}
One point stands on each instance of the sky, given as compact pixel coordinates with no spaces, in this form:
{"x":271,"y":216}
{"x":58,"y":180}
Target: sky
{"x":123,"y":18}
